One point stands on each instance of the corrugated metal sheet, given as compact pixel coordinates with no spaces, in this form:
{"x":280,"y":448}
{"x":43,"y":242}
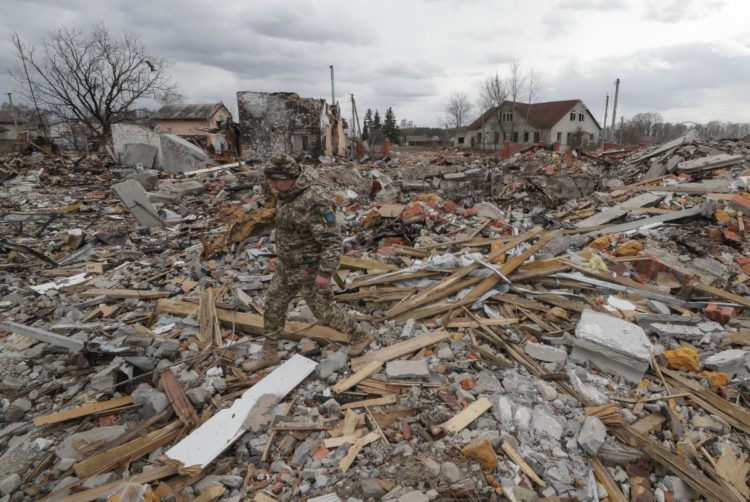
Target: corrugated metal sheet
{"x":185,"y":112}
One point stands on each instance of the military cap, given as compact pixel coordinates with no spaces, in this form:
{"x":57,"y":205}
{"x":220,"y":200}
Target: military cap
{"x":282,"y":167}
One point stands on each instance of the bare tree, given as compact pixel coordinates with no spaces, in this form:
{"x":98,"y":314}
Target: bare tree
{"x":169,"y":97}
{"x":493,"y":92}
{"x":516,"y":83}
{"x":533,"y":89}
{"x":458,"y":108}
{"x":93,"y":78}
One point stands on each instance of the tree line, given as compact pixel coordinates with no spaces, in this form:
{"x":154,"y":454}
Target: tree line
{"x":651,"y":125}
{"x":375,"y":131}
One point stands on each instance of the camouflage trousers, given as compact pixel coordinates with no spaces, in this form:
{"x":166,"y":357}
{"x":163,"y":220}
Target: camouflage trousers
{"x":286,"y":284}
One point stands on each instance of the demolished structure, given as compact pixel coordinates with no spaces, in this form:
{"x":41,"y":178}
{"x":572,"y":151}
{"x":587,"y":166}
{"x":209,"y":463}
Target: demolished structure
{"x":549,"y":327}
{"x":283,"y":122}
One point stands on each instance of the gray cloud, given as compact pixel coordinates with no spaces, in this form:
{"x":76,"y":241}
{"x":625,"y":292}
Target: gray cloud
{"x":676,"y":11}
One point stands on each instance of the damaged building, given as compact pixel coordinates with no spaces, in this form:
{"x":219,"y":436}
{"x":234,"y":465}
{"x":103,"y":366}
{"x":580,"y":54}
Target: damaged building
{"x":284,"y":122}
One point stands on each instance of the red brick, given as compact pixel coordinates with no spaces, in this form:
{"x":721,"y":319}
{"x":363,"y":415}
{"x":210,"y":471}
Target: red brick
{"x":720,"y":314}
{"x":470,"y":212}
{"x":731,"y":236}
{"x":353,"y":208}
{"x":743,"y":261}
{"x":450,"y":206}
{"x":741,"y":203}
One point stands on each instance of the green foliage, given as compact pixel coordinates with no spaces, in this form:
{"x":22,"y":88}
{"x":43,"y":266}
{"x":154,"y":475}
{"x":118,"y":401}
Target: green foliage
{"x":390,"y":127}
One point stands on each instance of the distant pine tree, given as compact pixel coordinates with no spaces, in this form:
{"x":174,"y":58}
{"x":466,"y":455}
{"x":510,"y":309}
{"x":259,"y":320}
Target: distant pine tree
{"x":390,"y":127}
{"x":367,"y":125}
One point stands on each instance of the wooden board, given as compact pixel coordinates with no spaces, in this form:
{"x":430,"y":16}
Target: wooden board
{"x":351,"y":455}
{"x":125,"y":294}
{"x":252,"y":323}
{"x":465,"y":417}
{"x":520,"y":462}
{"x":336,"y":442}
{"x":400,"y":349}
{"x":377,"y":401}
{"x":362,"y":264}
{"x":180,"y":402}
{"x":614,"y":494}
{"x":352,"y":380}
{"x":82,"y":411}
{"x":154,"y":474}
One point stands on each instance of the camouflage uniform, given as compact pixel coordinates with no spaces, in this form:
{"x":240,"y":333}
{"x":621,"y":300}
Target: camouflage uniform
{"x":308,"y":243}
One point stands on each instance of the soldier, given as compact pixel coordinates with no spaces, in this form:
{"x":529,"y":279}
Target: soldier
{"x":309,"y":247}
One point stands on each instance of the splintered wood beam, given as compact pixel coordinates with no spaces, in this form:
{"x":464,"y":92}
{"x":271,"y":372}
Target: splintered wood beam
{"x":82,"y":411}
{"x":363,"y":264}
{"x":520,"y":462}
{"x":180,"y":402}
{"x":125,"y":294}
{"x":367,"y":403}
{"x":400,"y":349}
{"x":357,"y":377}
{"x":360,"y":443}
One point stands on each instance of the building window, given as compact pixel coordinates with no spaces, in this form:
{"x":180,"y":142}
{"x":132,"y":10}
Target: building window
{"x":526,"y":136}
{"x":580,"y":117}
{"x":572,"y":116}
{"x":536,"y":137}
{"x":479,"y":137}
{"x":461,"y":140}
{"x":507,"y":117}
{"x":515,"y":137}
{"x":497,"y":137}
{"x":591,"y":137}
{"x":559,"y":137}
{"x":567,"y":138}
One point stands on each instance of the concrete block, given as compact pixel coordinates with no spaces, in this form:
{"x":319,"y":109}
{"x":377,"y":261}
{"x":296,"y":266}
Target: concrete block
{"x":612,"y":345}
{"x":731,"y":362}
{"x":9,"y":484}
{"x":488,"y":210}
{"x":124,"y":134}
{"x":407,"y":369}
{"x":139,"y":154}
{"x":333,"y":363}
{"x":182,"y":188}
{"x":591,"y":435}
{"x":545,"y":424}
{"x":546,"y":353}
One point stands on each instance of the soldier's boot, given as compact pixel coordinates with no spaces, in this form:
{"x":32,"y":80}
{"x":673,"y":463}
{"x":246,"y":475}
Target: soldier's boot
{"x":269,"y":356}
{"x":360,"y":341}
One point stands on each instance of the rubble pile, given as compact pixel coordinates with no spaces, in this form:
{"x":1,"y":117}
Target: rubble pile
{"x":549,"y":327}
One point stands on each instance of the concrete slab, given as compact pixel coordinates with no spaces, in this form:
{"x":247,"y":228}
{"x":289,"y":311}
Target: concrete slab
{"x":179,"y":155}
{"x":139,"y":154}
{"x":407,"y":369}
{"x":615,"y":346}
{"x":135,"y":200}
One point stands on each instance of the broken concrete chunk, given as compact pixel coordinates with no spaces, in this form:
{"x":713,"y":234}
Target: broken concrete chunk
{"x":407,"y":369}
{"x":732,"y":362}
{"x":151,"y":400}
{"x":333,"y":363}
{"x":612,"y":345}
{"x":591,"y":436}
{"x":135,"y":199}
{"x":545,"y":424}
{"x":546,"y":353}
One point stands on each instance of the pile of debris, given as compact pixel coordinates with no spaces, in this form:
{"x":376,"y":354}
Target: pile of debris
{"x":585,"y":346}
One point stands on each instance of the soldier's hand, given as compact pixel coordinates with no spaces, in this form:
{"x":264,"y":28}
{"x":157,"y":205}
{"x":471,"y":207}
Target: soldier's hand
{"x":321,"y":281}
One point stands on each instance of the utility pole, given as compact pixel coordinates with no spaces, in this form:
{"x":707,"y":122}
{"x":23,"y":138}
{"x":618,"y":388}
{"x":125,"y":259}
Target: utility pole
{"x":333,"y":92}
{"x":614,"y":106}
{"x":622,"y":120}
{"x":604,"y":132}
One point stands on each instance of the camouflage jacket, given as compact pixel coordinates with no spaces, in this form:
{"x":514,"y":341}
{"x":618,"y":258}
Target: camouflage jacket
{"x":306,"y":229}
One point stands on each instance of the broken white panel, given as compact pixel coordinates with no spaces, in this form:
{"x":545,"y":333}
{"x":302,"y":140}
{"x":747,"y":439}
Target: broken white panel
{"x":614,"y":346}
{"x":62,"y":283}
{"x":614,"y":303}
{"x":209,"y":440}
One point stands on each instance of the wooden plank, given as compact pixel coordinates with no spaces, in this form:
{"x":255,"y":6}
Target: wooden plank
{"x":619,"y":210}
{"x":286,"y":423}
{"x":520,"y":462}
{"x":252,"y":323}
{"x":132,"y":450}
{"x":465,"y":417}
{"x":71,"y":344}
{"x":154,"y":474}
{"x":400,"y":349}
{"x":614,"y":494}
{"x":336,"y":442}
{"x":650,"y":423}
{"x":366,"y":403}
{"x":210,"y":494}
{"x":363,"y":264}
{"x":741,"y":338}
{"x":720,"y":293}
{"x":483,"y":322}
{"x":82,"y":411}
{"x":125,"y":294}
{"x":208,"y":441}
{"x":351,"y":455}
{"x":180,"y":402}
{"x":354,"y":379}
{"x":135,"y":199}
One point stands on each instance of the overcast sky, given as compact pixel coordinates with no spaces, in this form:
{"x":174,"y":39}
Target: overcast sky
{"x":686,"y":59}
